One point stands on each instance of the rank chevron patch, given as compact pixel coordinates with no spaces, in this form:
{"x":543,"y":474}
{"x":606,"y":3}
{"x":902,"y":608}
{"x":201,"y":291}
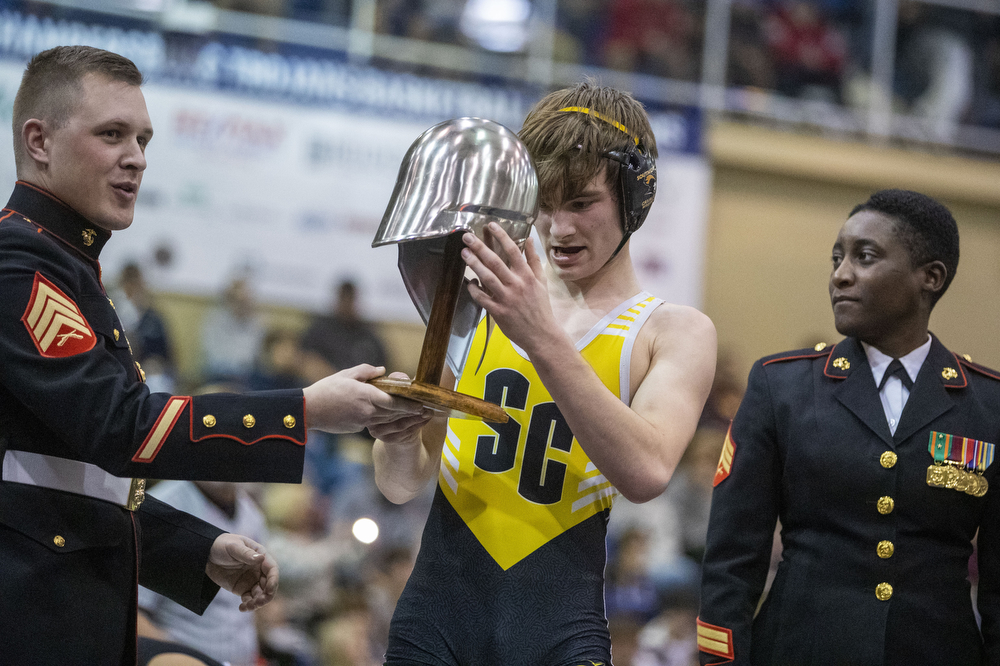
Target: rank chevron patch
{"x":725,"y":459}
{"x":55,"y":323}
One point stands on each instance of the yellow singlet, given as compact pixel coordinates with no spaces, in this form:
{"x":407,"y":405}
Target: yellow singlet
{"x":520,"y":484}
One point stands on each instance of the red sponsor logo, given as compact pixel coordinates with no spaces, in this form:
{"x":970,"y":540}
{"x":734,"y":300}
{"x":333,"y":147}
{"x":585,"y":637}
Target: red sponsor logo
{"x":55,"y":323}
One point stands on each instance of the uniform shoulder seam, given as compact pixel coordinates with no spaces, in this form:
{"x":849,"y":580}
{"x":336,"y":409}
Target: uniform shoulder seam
{"x":978,"y":369}
{"x":796,"y":354}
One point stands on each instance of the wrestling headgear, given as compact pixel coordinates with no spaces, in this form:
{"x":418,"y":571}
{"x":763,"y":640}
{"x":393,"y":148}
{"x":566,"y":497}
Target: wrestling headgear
{"x":457,"y":176}
{"x":636,"y":177}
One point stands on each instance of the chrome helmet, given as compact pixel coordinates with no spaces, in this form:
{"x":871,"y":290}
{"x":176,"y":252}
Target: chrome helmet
{"x":458,"y":176}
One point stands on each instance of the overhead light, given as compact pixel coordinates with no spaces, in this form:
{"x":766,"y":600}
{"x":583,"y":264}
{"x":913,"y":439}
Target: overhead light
{"x":497,"y":25}
{"x":365,"y":530}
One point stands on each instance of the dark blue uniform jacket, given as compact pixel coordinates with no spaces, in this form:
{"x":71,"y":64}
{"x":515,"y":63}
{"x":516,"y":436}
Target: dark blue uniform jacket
{"x":69,"y":388}
{"x":875,"y":562}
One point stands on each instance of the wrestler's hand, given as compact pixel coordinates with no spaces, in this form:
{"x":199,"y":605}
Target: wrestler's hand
{"x":343,"y":402}
{"x":243,"y":567}
{"x":404,"y":430}
{"x":516,"y":296}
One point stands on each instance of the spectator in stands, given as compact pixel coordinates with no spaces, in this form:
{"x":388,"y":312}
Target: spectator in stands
{"x":431,"y":20}
{"x":580,"y":30}
{"x":985,"y":109}
{"x":808,"y":52}
{"x":280,"y":363}
{"x":749,"y":61}
{"x":669,"y":639}
{"x":222,"y":632}
{"x":335,"y":340}
{"x":385,"y":582}
{"x":343,"y":640}
{"x":658,"y":37}
{"x":630,"y":591}
{"x":333,"y":12}
{"x":726,"y":394}
{"x":148,"y":335}
{"x":264,"y":7}
{"x":341,"y":338}
{"x":934,"y":65}
{"x":690,"y":491}
{"x":231,"y":336}
{"x":307,"y":557}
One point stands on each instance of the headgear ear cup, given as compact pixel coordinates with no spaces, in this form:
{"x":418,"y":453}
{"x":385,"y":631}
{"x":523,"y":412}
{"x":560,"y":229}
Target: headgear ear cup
{"x":636,"y":177}
{"x":637,"y":180}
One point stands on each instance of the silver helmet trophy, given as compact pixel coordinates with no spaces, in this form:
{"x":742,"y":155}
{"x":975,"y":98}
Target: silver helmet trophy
{"x":458,"y":176}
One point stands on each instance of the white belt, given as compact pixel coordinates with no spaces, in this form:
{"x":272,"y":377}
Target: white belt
{"x":72,"y":476}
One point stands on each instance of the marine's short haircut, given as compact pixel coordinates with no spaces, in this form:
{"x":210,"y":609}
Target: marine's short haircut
{"x":50,"y":86}
{"x":568,"y":148}
{"x":925,"y":225}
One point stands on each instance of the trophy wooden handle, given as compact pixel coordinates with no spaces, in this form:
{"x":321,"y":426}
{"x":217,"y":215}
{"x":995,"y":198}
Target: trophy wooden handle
{"x":424,"y":387}
{"x":439,"y":398}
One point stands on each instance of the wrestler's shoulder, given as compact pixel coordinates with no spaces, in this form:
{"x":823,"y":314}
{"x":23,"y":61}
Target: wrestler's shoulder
{"x":681,"y":320}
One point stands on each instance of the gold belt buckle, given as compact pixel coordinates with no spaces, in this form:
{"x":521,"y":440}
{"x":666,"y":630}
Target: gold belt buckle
{"x":136,"y":494}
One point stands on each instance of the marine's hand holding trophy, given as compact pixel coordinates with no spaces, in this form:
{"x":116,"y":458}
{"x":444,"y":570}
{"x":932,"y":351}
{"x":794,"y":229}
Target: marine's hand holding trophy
{"x":456,"y":178}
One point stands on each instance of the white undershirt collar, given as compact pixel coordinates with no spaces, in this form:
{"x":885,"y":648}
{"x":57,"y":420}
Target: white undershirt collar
{"x":894,"y":394}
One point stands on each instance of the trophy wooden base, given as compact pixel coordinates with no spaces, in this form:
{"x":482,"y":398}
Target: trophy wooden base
{"x":440,"y":399}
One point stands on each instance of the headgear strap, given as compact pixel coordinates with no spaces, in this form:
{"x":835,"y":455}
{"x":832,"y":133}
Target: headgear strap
{"x":637,"y":181}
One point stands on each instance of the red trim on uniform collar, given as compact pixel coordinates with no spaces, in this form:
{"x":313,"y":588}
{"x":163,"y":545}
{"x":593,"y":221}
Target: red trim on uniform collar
{"x":47,"y":211}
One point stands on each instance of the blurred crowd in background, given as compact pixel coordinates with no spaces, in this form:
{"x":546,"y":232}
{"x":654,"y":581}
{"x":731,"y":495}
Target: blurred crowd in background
{"x":344,"y":551}
{"x":947,"y":60}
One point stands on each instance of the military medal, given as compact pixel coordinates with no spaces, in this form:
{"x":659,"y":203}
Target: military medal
{"x":959,"y":463}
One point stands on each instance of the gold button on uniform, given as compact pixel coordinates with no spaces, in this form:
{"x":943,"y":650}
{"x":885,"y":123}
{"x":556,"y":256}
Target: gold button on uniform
{"x":289,"y":421}
{"x":249,"y":421}
{"x":885,"y":549}
{"x":209,"y":421}
{"x":820,"y":346}
{"x":883,"y":591}
{"x":888,"y":459}
{"x":885,"y":505}
{"x":59,"y":541}
{"x":117,"y":334}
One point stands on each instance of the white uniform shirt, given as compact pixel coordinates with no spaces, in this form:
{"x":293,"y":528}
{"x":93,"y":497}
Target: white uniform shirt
{"x":222,"y":632}
{"x":895,"y":394}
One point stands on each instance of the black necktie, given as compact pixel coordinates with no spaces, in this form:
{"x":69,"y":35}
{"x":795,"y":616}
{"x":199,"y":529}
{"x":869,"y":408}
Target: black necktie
{"x":896,"y":368}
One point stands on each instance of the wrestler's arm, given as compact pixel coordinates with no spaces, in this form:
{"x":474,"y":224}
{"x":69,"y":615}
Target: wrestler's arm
{"x":407,"y":453}
{"x":637,"y":448}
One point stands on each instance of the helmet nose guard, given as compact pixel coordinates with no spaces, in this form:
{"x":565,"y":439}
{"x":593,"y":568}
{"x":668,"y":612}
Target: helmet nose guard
{"x":458,"y":176}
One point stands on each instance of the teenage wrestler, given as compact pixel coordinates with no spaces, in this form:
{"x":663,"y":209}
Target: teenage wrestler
{"x":604,"y":384}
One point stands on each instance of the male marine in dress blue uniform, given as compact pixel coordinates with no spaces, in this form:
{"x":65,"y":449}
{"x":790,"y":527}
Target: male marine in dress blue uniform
{"x":875,"y":553}
{"x":84,"y":412}
{"x":77,"y":423}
